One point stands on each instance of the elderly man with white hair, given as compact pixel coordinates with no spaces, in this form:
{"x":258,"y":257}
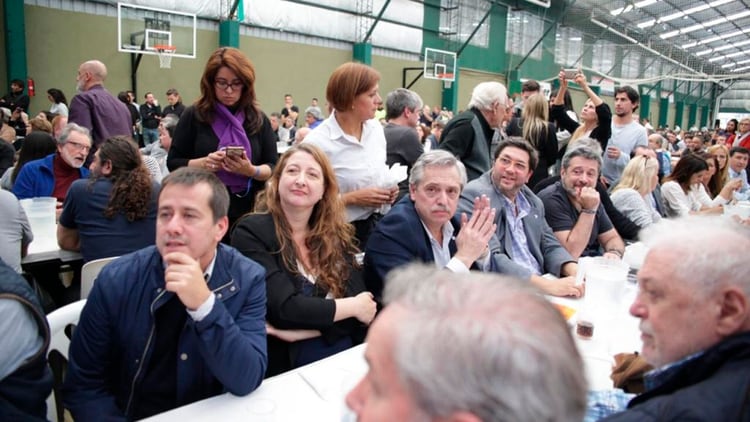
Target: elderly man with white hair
{"x":455,"y":347}
{"x":694,"y":306}
{"x":468,"y":136}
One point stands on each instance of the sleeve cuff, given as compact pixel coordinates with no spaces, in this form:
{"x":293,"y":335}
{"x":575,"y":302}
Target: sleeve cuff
{"x":203,"y":310}
{"x":457,"y":266}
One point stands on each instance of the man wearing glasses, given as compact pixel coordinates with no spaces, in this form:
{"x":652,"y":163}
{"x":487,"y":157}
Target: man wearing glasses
{"x":53,"y":174}
{"x":95,"y":108}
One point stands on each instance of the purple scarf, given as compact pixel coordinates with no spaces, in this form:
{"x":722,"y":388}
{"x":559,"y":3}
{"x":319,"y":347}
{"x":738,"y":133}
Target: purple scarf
{"x":228,"y":128}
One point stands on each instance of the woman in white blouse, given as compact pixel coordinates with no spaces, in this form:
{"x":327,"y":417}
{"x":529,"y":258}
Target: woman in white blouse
{"x":683,"y":192}
{"x":632,"y":195}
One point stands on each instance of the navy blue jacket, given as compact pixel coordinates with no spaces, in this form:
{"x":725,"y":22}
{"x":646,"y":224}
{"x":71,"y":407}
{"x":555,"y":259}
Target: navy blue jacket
{"x":23,"y":393}
{"x":398,"y":239}
{"x":226,"y":351}
{"x":712,"y":387}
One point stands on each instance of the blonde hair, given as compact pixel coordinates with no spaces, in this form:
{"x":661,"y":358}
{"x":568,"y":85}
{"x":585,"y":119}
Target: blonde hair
{"x":535,"y":116}
{"x":638,"y":174}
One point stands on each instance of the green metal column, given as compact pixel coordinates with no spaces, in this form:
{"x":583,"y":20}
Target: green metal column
{"x":679,"y":107}
{"x":514,"y":83}
{"x":644,"y":107}
{"x":362,"y":52}
{"x":15,"y":40}
{"x":229,"y":33}
{"x":663,"y":111}
{"x":705,"y":115}
{"x":692,"y":113}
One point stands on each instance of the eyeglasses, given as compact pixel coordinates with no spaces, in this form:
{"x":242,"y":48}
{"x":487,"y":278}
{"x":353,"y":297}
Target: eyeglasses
{"x":78,"y":146}
{"x":223,"y":84}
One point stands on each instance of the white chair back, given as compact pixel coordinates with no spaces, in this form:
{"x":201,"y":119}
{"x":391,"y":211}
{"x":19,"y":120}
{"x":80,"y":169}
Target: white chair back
{"x":89,"y":271}
{"x":57,"y":356}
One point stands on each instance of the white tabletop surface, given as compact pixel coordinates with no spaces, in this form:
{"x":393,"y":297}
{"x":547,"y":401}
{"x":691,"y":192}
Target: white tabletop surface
{"x":44,"y":247}
{"x":316,"y":392}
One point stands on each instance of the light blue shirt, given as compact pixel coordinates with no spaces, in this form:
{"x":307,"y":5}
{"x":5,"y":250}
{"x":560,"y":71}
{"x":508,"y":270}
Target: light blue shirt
{"x":520,"y":252}
{"x":441,"y":251}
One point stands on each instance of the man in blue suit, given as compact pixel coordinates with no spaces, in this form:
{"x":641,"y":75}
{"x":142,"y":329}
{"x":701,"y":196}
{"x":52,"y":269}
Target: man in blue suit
{"x":524,"y":245}
{"x":422,"y":227}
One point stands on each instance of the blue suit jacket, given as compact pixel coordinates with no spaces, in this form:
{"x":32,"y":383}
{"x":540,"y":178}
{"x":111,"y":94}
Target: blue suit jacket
{"x":398,"y":239}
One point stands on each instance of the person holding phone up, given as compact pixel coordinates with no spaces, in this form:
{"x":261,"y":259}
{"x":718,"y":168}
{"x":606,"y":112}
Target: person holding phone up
{"x":226,"y":132}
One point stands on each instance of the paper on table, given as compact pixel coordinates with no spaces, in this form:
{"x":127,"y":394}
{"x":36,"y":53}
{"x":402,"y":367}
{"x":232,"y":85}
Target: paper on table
{"x":329,"y":382}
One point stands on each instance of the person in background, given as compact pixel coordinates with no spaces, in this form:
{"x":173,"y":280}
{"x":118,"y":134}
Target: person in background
{"x":627,"y":134}
{"x":656,"y":143}
{"x":317,"y":303}
{"x":469,"y":135}
{"x":313,"y":117}
{"x":535,"y":128}
{"x":403,"y":142}
{"x":135,"y":115}
{"x":631,"y":194}
{"x":59,"y":102}
{"x":95,"y":108}
{"x":225,"y":131}
{"x":188,"y":324}
{"x":731,"y":131}
{"x":739,"y":158}
{"x":683,"y":190}
{"x":290,"y":110}
{"x":356,"y":145}
{"x":175,"y":104}
{"x":25,"y":377}
{"x":150,"y":115}
{"x":114,"y":212}
{"x":441,"y":330}
{"x":53,"y":174}
{"x":15,"y":231}
{"x":594,"y":121}
{"x":37,"y":145}
{"x":721,"y":152}
{"x":711,"y":180}
{"x":694,"y":309}
{"x":159,"y":150}
{"x":16,"y":99}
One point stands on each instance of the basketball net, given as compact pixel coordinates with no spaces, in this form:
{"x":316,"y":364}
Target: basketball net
{"x":165,"y":53}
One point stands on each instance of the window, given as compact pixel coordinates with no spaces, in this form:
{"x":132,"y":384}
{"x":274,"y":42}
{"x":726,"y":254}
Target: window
{"x":603,"y":56}
{"x":459,"y":19}
{"x":524,"y":30}
{"x":568,"y":46}
{"x":631,"y":64}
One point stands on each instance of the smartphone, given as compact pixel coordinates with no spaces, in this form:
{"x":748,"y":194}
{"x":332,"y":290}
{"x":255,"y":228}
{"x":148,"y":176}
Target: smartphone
{"x":234,"y":151}
{"x":570,"y":73}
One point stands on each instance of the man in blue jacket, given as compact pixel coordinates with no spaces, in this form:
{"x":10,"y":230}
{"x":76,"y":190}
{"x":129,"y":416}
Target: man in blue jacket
{"x":422,"y":227}
{"x":694,"y":306}
{"x":172,"y":324}
{"x":53,"y":174}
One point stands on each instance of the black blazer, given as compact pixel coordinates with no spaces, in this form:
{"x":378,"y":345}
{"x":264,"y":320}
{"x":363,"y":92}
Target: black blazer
{"x":287,"y":307}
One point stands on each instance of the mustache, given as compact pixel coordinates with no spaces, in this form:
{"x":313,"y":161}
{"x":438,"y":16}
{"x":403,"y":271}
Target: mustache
{"x":440,"y":207}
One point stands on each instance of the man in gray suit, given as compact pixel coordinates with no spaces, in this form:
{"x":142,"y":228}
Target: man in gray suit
{"x":524,"y":245}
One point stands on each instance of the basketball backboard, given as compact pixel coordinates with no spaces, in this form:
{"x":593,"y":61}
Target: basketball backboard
{"x":145,"y":30}
{"x":439,"y":64}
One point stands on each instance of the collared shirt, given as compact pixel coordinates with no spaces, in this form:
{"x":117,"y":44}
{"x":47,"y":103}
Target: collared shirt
{"x":519,"y":244}
{"x":742,"y":174}
{"x":656,"y":377}
{"x":602,"y":403}
{"x":441,"y":251}
{"x":208,"y":305}
{"x":358,"y":164}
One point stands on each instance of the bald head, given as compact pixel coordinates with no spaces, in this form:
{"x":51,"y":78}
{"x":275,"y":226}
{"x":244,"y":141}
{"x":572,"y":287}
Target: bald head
{"x":91,"y":73}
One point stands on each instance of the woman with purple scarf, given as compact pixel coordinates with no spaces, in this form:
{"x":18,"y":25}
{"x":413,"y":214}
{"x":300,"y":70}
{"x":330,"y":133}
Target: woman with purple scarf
{"x":225,"y":131}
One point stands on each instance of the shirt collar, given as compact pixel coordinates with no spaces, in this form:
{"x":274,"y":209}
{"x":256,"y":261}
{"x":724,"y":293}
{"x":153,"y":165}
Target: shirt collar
{"x":447,"y":232}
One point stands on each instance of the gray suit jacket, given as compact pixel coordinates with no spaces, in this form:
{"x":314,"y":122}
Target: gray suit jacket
{"x":542,"y":242}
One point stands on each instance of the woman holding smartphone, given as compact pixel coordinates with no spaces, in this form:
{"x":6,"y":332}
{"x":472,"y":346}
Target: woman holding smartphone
{"x":225,"y":131}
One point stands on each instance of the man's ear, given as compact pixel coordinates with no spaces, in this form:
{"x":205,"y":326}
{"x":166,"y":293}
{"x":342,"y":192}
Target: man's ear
{"x":412,"y":191}
{"x":734,"y":314}
{"x":107,"y":168}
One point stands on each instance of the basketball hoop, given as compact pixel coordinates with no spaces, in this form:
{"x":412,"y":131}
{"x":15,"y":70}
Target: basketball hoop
{"x":165,"y":53}
{"x":447,"y":79}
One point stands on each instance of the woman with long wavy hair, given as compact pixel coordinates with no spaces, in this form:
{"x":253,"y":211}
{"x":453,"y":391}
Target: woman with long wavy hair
{"x":631,"y":195}
{"x":317,"y":303}
{"x":535,"y":128}
{"x":113,"y":212}
{"x":721,"y":152}
{"x":226,"y":132}
{"x":594,"y":120}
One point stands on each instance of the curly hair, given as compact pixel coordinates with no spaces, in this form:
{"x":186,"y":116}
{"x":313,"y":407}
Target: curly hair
{"x":330,"y":238}
{"x":131,"y":181}
{"x":237,"y":62}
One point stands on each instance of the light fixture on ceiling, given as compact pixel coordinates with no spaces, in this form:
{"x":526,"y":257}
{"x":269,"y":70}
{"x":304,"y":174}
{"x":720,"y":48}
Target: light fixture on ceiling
{"x":628,"y":8}
{"x":683,"y":13}
{"x":739,"y":69}
{"x":702,"y":25}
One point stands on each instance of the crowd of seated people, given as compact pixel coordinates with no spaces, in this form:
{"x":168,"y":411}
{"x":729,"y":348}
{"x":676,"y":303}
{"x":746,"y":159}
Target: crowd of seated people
{"x":287,"y":230}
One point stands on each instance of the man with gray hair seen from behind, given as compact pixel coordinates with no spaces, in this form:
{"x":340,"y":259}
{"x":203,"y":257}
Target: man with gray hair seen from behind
{"x":468,"y":135}
{"x":95,"y":108}
{"x":694,"y":306}
{"x":424,"y":226}
{"x":402,"y":142}
{"x":455,"y":347}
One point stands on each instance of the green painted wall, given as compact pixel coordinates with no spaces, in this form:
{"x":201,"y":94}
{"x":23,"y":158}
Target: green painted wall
{"x":4,"y":85}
